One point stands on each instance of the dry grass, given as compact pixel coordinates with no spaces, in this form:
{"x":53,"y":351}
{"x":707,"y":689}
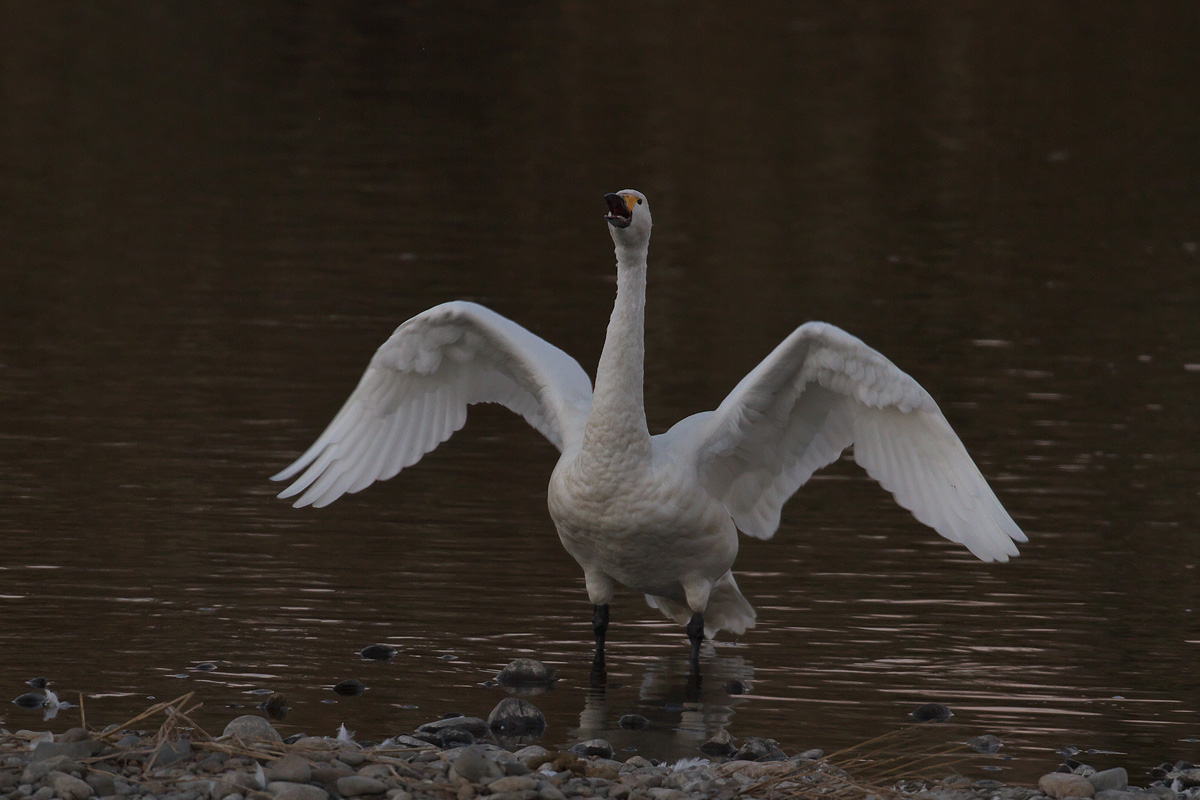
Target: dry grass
{"x":912,"y":757}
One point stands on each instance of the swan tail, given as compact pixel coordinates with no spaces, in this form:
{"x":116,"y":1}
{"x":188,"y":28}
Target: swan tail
{"x":727,"y":609}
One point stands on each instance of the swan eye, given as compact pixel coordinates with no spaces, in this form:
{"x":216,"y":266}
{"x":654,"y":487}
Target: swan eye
{"x":639,"y":201}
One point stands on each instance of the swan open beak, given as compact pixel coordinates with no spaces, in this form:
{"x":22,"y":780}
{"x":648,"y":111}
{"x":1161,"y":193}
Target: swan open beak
{"x":620,"y":209}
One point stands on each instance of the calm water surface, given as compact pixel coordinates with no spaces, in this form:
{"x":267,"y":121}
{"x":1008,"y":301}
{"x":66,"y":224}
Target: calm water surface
{"x":210,"y":217}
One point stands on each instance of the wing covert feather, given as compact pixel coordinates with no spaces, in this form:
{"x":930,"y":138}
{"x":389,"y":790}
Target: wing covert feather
{"x":820,"y":391}
{"x":415,"y":392}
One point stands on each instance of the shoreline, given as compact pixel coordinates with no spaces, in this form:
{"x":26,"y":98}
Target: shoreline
{"x":161,"y":754}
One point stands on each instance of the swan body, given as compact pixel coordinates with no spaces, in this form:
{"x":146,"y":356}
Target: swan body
{"x":658,"y":514}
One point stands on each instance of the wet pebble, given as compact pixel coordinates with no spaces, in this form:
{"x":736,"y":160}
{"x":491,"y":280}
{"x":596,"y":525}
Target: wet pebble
{"x":351,"y":687}
{"x":378,"y":652}
{"x":474,"y":725}
{"x":721,"y":744}
{"x":526,"y":672}
{"x":593,"y":747}
{"x":38,"y":683}
{"x":205,"y":666}
{"x":275,"y":706}
{"x":932,"y":712}
{"x":987,"y":743}
{"x":633,"y":722}
{"x":756,"y":749}
{"x":31,"y":700}
{"x":512,"y":715}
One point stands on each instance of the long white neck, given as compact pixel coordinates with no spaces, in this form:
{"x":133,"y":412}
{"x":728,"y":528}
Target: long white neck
{"x":616,"y":429}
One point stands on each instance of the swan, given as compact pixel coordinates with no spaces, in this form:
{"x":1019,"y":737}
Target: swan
{"x":658,"y":514}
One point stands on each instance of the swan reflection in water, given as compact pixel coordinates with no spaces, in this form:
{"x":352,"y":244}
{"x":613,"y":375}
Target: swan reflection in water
{"x":683,"y":713}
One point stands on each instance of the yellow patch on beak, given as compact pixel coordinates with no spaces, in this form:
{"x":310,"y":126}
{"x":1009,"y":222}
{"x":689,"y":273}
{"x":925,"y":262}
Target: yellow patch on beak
{"x":630,"y":201}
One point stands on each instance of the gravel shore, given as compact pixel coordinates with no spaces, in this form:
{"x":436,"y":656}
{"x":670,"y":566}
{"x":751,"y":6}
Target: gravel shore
{"x":461,"y":758}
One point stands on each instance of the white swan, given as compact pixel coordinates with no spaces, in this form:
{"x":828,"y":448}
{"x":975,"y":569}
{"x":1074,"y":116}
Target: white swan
{"x":658,"y":514}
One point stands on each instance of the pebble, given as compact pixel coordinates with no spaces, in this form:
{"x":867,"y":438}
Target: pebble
{"x":292,"y":768}
{"x":378,"y":652}
{"x":475,"y":726}
{"x":251,"y":728}
{"x":474,"y":766}
{"x":593,"y":747}
{"x":286,"y":790}
{"x":526,"y":672}
{"x":358,"y":785}
{"x":69,"y":787}
{"x":30,"y":700}
{"x":633,"y":722}
{"x":407,"y":768}
{"x":351,"y":687}
{"x":512,"y":715}
{"x":1065,"y":784}
{"x":932,"y":712}
{"x":987,"y":743}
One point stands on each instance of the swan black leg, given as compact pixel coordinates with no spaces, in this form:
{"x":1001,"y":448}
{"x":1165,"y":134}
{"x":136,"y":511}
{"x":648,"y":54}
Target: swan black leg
{"x":599,"y":629}
{"x":695,"y":632}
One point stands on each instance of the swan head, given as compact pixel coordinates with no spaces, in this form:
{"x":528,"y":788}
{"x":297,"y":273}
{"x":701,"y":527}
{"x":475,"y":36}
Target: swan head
{"x":628,"y":218}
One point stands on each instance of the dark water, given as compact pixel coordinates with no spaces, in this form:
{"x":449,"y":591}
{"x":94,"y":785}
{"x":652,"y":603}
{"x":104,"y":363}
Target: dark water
{"x":211,"y":216}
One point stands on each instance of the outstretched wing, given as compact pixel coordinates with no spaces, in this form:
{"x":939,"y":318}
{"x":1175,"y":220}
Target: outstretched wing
{"x":416,"y":390}
{"x":820,"y":391}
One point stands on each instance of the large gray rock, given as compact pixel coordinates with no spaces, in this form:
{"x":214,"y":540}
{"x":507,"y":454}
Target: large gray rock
{"x":474,"y":766}
{"x":251,"y":728}
{"x":1116,"y":779}
{"x":512,"y":715}
{"x":1063,"y":784}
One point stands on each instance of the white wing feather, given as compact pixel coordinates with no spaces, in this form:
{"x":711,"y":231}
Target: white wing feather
{"x":416,"y":389}
{"x":818,"y":392}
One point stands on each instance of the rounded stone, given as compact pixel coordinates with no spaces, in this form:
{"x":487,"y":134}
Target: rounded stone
{"x":252,"y":728}
{"x":473,"y":725}
{"x":292,"y":768}
{"x":378,"y":652}
{"x":597,"y":748}
{"x":1116,"y":779}
{"x":932,"y":712}
{"x":721,"y":744}
{"x":69,"y":787}
{"x":526,"y":672}
{"x":1064,"y":784}
{"x":285,"y":790}
{"x":350,"y":687}
{"x":513,"y":715}
{"x":358,"y":785}
{"x":987,"y":743}
{"x":633,"y":722}
{"x":31,"y":700}
{"x":474,"y":766}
